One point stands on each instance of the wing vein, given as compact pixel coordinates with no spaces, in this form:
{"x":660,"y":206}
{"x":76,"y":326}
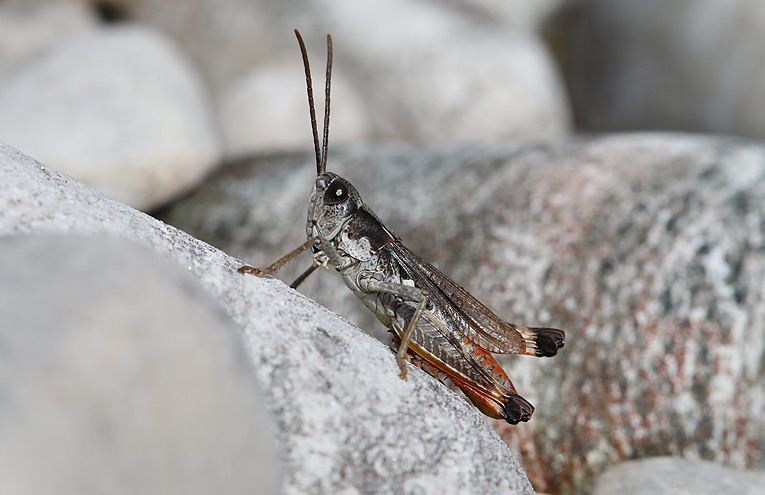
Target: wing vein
{"x":482,"y":326}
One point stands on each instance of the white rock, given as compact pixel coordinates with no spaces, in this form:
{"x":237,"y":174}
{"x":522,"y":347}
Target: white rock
{"x":26,"y":28}
{"x":118,"y":108}
{"x":267,"y":110}
{"x":439,"y":75}
{"x":225,"y":38}
{"x":674,"y":476}
{"x":119,"y":374}
{"x":346,"y":422}
{"x":526,"y":15}
{"x":439,"y":78}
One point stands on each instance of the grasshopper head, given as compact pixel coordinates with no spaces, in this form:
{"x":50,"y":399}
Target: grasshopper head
{"x":334,"y":200}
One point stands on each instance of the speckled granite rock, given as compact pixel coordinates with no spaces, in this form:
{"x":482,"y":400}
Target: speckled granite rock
{"x":345,"y":421}
{"x":646,"y":249}
{"x":673,"y":476}
{"x":120,"y":375}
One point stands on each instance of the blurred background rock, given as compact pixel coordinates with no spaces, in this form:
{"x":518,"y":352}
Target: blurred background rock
{"x":688,"y":65}
{"x":142,"y":98}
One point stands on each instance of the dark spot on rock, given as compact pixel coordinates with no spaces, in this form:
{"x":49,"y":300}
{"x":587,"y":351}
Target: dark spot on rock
{"x":109,"y":12}
{"x":704,"y":430}
{"x":624,"y":228}
{"x":671,"y":223}
{"x":328,"y":345}
{"x":703,"y":249}
{"x":739,"y":294}
{"x":708,"y":173}
{"x":736,"y":265}
{"x":740,"y":203}
{"x":699,"y":390}
{"x":666,"y":300}
{"x":703,"y":353}
{"x":606,"y":266}
{"x":548,"y":273}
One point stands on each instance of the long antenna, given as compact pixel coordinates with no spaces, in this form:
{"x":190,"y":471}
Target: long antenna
{"x":321,"y":155}
{"x":320,"y":164}
{"x":327,"y":80}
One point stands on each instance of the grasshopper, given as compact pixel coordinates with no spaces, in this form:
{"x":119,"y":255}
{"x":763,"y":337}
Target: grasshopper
{"x":447,"y":330}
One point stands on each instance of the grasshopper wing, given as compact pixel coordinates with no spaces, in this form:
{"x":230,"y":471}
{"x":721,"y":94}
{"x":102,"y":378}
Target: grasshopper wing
{"x":477,"y":322}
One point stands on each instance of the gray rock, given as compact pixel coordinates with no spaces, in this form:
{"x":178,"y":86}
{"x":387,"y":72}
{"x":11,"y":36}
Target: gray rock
{"x":673,"y":476}
{"x":694,"y":67}
{"x":646,"y":249}
{"x":345,"y":421}
{"x":119,"y":374}
{"x":118,"y":108}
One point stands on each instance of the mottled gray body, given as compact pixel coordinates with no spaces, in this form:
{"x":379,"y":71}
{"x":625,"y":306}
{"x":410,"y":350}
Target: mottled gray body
{"x":414,"y":300}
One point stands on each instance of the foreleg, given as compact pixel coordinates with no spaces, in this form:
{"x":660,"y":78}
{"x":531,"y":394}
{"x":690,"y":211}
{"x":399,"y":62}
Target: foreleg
{"x":262,"y":272}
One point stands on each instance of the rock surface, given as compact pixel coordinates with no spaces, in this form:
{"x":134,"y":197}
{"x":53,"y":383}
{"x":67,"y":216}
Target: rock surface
{"x":526,"y":15}
{"x":646,"y":249}
{"x":673,"y":476}
{"x":694,"y":67}
{"x":118,"y":108}
{"x":345,"y":422}
{"x":119,"y":374}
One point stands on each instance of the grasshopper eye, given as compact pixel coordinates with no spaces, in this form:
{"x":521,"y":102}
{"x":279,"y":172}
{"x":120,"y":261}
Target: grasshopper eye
{"x":337,"y":192}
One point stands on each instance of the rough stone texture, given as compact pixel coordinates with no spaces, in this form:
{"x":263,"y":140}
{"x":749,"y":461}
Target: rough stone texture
{"x":673,"y":476}
{"x":345,"y":422}
{"x":686,"y":65}
{"x":118,"y":108}
{"x":646,"y":249}
{"x":118,"y":374}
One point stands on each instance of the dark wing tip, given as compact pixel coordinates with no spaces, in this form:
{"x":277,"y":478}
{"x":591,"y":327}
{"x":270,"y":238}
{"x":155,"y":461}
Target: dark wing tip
{"x":548,"y":340}
{"x":517,"y":409}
